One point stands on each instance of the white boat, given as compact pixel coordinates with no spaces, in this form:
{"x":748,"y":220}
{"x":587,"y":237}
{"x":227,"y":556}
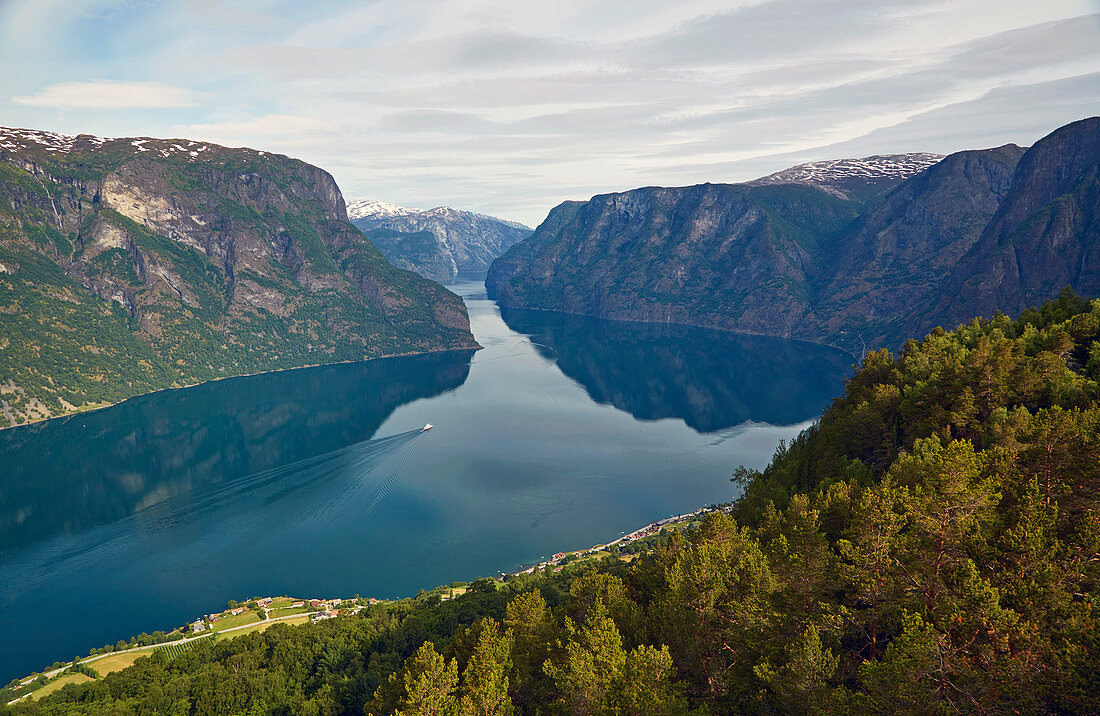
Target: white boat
{"x":427,"y":426}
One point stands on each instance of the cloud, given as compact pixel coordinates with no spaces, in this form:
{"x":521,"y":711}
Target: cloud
{"x":105,"y":94}
{"x":277,"y":128}
{"x":509,"y":107}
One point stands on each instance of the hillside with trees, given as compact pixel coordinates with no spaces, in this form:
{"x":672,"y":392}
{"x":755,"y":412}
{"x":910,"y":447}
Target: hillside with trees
{"x":931,"y":546}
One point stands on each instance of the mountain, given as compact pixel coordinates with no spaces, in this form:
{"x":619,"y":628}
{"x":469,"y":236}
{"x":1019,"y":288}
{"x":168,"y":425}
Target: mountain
{"x":972,"y":233}
{"x":857,"y":179}
{"x":903,"y":245}
{"x":1045,"y":234}
{"x":729,"y":256}
{"x":130,"y":265}
{"x":462,"y":241}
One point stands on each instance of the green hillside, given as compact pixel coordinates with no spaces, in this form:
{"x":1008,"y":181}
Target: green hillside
{"x":132,"y":265}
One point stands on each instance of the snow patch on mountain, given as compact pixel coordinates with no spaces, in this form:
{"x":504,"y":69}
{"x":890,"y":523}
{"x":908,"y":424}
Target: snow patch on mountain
{"x":880,"y":166}
{"x":361,"y":208}
{"x":372,"y":209}
{"x":14,"y":139}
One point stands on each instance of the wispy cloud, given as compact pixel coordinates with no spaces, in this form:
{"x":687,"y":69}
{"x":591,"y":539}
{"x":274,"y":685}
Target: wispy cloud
{"x":510,"y":107}
{"x":104,"y":95}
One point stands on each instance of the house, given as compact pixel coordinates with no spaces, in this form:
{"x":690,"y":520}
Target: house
{"x":297,"y":604}
{"x":236,"y":611}
{"x":559,"y":556}
{"x":314,"y":603}
{"x":264,"y":602}
{"x":321,"y":616}
{"x":198,"y":626}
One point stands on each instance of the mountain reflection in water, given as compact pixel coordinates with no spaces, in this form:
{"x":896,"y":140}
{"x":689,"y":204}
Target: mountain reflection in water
{"x":709,"y":379}
{"x":182,"y":447}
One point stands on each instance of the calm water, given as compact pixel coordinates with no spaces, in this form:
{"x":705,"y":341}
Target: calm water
{"x":561,"y":433}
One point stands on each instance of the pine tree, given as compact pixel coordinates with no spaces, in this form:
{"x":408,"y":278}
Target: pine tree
{"x":485,"y":680}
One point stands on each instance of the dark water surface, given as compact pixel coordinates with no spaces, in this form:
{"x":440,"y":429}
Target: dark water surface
{"x":561,"y":433}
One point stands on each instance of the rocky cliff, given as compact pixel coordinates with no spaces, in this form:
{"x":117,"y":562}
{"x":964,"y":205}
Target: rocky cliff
{"x":128,"y":265}
{"x":897,"y":253}
{"x":462,"y":242}
{"x":1045,"y":234}
{"x":975,"y":232}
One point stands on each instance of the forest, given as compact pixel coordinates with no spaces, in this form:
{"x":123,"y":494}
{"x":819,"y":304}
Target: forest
{"x":932,"y":545}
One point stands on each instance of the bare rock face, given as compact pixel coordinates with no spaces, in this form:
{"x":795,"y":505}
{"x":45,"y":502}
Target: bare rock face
{"x":896,"y":255}
{"x":139,"y":264}
{"x":858,"y":253}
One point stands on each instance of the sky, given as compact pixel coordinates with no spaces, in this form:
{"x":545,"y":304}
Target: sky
{"x":510,"y":107}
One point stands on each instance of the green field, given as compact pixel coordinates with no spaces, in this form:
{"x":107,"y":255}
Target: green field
{"x":287,"y":611}
{"x":118,"y":662}
{"x":60,"y":683}
{"x":245,"y":617}
{"x":261,"y":627}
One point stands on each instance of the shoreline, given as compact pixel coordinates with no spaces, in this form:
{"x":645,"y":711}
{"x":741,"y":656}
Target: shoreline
{"x":474,"y":348}
{"x":648,"y":530}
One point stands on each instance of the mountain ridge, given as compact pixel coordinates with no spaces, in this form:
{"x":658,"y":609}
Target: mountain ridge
{"x":896,"y":267}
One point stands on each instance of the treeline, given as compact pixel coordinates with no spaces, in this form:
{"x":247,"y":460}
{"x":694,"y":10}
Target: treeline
{"x":932,"y":546}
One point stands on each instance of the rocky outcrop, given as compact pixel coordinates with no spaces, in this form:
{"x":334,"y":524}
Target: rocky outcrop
{"x":141,"y":264}
{"x":463,"y":242}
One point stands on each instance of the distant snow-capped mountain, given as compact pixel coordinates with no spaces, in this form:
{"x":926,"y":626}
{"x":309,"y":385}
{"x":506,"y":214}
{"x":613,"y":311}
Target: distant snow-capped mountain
{"x":855,"y":178}
{"x":364,"y":208}
{"x":459,"y":242}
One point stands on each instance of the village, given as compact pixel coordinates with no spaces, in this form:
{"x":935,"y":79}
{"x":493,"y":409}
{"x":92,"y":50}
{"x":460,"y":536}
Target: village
{"x":558,"y":561}
{"x":265,"y":609}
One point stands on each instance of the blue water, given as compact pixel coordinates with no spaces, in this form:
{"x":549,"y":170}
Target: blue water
{"x":561,"y":433}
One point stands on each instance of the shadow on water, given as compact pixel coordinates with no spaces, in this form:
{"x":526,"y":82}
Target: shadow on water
{"x":712,"y":380}
{"x":170,"y":458}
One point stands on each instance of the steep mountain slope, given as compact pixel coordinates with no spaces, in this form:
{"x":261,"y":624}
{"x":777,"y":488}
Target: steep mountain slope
{"x":730,"y":256}
{"x":128,"y":265}
{"x":417,"y":251}
{"x":465,"y":242}
{"x":856,"y":179}
{"x":1045,"y":235}
{"x":976,"y":232}
{"x":903,"y":245}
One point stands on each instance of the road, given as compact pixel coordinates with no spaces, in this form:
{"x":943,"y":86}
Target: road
{"x":92,"y":659}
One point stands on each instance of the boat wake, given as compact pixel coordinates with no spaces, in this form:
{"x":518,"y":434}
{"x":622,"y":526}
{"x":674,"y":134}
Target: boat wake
{"x":316,"y":491}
